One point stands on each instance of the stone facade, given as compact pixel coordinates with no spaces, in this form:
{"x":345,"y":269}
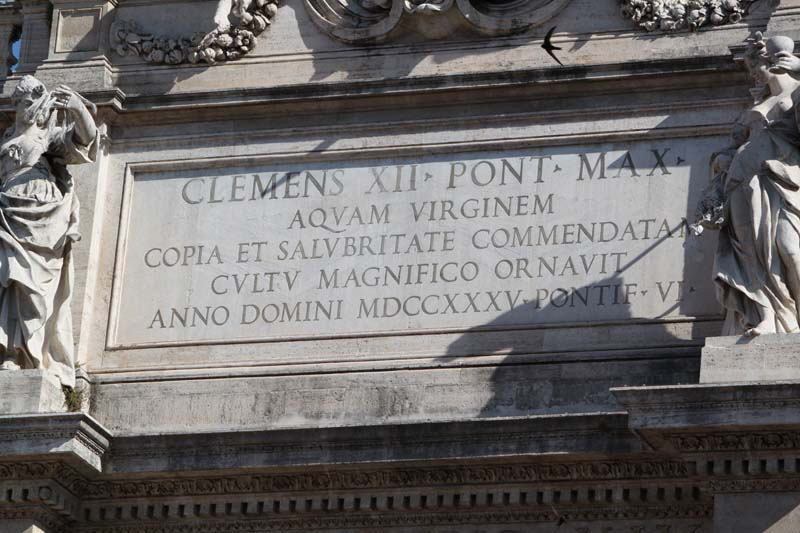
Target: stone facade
{"x":388,"y":266}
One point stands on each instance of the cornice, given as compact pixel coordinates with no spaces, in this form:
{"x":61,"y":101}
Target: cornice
{"x":594,"y":433}
{"x":498,"y":85}
{"x":76,"y":436}
{"x":387,"y":478}
{"x":734,"y":441}
{"x":415,"y":519}
{"x":701,"y":398}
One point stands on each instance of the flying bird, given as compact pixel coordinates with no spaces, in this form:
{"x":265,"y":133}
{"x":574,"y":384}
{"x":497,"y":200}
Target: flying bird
{"x":548,"y":46}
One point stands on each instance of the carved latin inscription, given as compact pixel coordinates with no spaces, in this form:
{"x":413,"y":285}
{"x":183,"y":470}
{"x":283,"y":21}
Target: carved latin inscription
{"x":416,"y":244}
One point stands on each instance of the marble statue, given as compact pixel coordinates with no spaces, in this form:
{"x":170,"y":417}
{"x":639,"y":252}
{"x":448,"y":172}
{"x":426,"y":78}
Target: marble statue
{"x":754,"y":200}
{"x":39,"y":224}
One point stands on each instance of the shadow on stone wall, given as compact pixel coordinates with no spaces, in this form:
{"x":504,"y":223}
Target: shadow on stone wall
{"x":577,"y":379}
{"x":453,"y":32}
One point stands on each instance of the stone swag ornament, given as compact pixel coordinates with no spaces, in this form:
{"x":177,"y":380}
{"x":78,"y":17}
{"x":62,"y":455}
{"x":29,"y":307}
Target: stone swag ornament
{"x":225,"y":42}
{"x":39,"y":224}
{"x":351,"y":21}
{"x":676,"y":15}
{"x":753,"y":199}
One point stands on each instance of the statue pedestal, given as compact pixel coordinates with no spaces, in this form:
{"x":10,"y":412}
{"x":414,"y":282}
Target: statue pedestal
{"x":30,"y":392}
{"x":739,"y":427}
{"x":758,"y":359}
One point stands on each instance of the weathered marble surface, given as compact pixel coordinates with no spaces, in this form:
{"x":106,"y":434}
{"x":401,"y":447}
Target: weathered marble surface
{"x":30,"y":391}
{"x":405,"y":431}
{"x":378,"y":393}
{"x":294,"y":51}
{"x":741,"y":437}
{"x":736,"y":359}
{"x":285,"y":250}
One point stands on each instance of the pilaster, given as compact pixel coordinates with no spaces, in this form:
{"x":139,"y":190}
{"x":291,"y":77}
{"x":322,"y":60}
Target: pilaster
{"x":80,"y":29}
{"x":35,"y":34}
{"x":10,"y":28}
{"x":742,"y":439}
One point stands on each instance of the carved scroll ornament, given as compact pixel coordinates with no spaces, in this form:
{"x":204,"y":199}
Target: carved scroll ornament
{"x":365,"y":21}
{"x":351,"y":21}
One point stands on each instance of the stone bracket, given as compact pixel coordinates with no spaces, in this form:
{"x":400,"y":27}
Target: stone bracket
{"x":73,"y":438}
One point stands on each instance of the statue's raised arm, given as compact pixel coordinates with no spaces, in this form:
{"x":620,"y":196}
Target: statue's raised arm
{"x":39,"y":224}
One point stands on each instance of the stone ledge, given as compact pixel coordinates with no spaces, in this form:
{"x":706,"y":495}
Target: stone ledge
{"x":73,"y":437}
{"x":716,"y":417}
{"x":589,"y":434}
{"x":30,"y":391}
{"x":711,"y":405}
{"x":741,"y":359}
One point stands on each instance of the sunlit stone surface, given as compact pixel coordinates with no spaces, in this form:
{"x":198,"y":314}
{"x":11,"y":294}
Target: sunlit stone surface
{"x":409,"y":266}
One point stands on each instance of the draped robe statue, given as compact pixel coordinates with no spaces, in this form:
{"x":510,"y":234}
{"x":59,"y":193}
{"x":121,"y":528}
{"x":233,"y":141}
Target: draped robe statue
{"x":754,"y":200}
{"x":39,"y":224}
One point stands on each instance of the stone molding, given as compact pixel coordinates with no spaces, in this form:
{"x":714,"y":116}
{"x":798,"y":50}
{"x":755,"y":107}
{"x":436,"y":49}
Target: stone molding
{"x":45,"y":518}
{"x":533,"y":435}
{"x":76,"y":436}
{"x":412,"y":519}
{"x":55,"y":479}
{"x":42,"y":500}
{"x":441,"y":476}
{"x":756,"y":485}
{"x":430,"y":496}
{"x":759,"y":405}
{"x":600,"y":487}
{"x":736,"y":441}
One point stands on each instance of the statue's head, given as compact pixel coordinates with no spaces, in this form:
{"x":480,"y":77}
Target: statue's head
{"x":762,"y":54}
{"x":28,"y":91}
{"x":774,"y":45}
{"x":30,"y":98}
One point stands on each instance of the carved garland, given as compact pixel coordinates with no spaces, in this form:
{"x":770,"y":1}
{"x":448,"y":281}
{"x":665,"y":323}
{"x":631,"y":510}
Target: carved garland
{"x":369,"y":21}
{"x":221,"y":44}
{"x":351,"y":21}
{"x":675,"y":15}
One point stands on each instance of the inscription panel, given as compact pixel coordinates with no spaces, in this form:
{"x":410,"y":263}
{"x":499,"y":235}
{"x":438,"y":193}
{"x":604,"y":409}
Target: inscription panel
{"x":321,"y":249}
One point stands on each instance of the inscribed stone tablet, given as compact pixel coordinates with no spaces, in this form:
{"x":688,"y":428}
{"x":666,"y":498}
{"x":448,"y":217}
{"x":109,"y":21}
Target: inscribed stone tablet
{"x":320,"y":248}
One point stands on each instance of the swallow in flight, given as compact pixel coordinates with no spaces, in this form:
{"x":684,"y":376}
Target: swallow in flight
{"x":548,"y":45}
